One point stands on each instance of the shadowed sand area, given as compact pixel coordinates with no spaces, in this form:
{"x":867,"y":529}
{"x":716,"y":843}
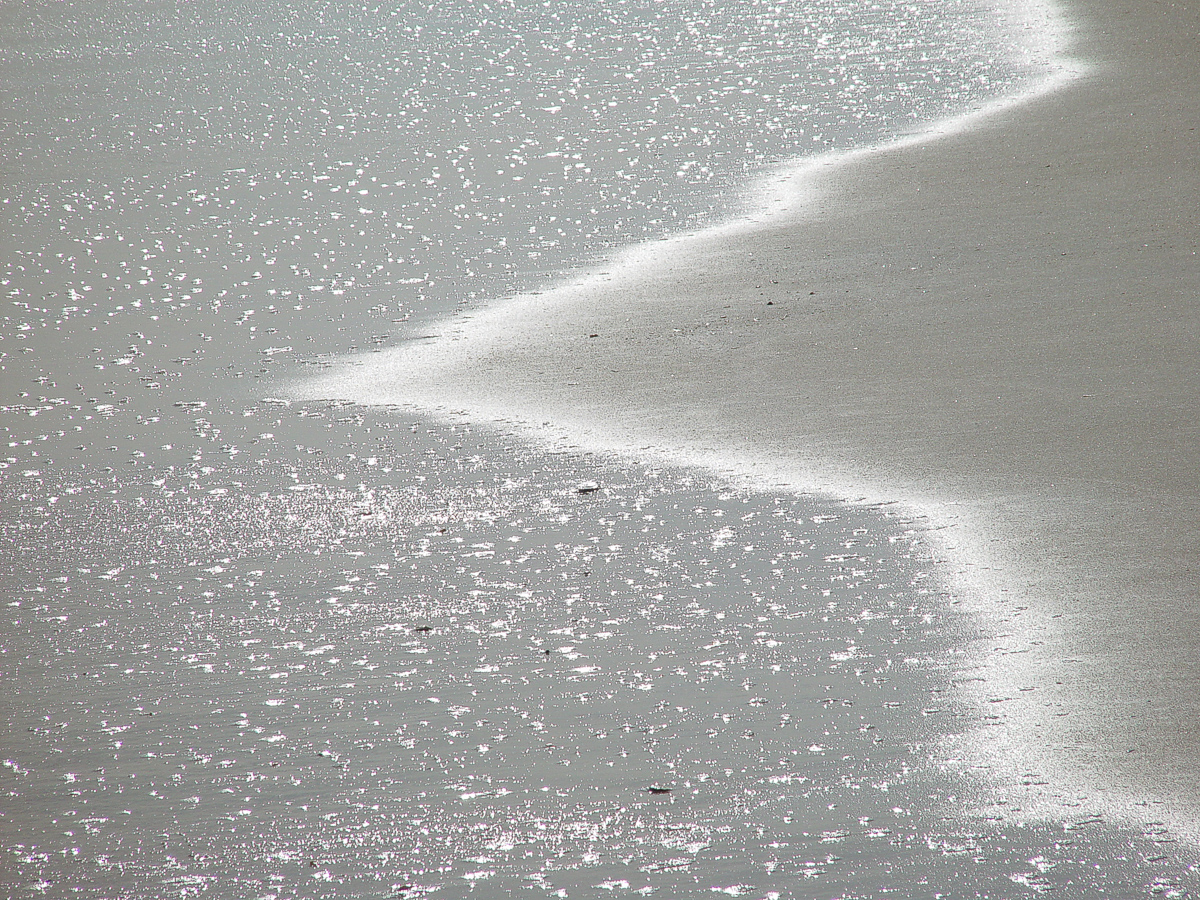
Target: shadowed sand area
{"x":1002,"y":324}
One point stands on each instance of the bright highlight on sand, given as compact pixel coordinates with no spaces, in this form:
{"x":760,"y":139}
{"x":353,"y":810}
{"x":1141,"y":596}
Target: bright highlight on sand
{"x":647,"y":448}
{"x":905,"y":321}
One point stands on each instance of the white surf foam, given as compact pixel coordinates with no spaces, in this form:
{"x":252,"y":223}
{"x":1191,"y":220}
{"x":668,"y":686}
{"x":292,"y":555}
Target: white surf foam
{"x":427,"y":375}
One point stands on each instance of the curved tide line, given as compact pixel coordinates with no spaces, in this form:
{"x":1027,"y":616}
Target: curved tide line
{"x":420,"y":375}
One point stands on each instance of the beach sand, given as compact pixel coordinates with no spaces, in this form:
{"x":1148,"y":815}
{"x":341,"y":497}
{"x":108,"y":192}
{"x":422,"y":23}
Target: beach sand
{"x":1001,"y":324}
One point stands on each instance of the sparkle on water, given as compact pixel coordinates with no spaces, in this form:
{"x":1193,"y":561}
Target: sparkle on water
{"x":253,"y":649}
{"x":359,"y":679}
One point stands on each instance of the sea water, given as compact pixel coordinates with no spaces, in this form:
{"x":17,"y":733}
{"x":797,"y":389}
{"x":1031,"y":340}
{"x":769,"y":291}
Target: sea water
{"x":270,"y":649}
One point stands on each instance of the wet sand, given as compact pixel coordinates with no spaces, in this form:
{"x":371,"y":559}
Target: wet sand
{"x":1000,"y":326}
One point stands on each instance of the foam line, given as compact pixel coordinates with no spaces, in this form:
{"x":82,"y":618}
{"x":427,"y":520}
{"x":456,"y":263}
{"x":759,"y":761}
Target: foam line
{"x":436,"y":375}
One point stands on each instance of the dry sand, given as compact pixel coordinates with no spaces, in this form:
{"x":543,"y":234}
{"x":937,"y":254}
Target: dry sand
{"x":1002,"y":324}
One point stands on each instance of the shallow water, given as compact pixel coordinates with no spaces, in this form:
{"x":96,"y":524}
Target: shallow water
{"x":260,"y":649}
{"x":335,"y":677}
{"x":413,"y":159}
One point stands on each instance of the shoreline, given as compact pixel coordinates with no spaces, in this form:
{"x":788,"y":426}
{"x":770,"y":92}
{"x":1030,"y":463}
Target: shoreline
{"x":870,"y":347}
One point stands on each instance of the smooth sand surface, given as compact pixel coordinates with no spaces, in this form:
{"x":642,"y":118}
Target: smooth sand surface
{"x":1003,"y":323}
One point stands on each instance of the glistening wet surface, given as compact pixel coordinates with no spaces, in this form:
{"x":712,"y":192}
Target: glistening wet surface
{"x":259,"y":650}
{"x":482,"y":673}
{"x":276,"y":153}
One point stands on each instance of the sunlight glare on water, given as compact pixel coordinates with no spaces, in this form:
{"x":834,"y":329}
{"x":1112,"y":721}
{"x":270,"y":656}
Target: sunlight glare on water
{"x":358,"y":680}
{"x":254,"y":648}
{"x":431,"y":155}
